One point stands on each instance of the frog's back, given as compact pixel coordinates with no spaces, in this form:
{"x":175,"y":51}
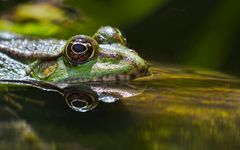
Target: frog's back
{"x":24,"y":48}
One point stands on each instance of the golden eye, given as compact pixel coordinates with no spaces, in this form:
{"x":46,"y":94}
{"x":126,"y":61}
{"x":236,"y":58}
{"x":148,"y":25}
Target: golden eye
{"x":80,"y":49}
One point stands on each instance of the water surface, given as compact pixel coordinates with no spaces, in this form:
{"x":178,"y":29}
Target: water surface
{"x":180,"y":108}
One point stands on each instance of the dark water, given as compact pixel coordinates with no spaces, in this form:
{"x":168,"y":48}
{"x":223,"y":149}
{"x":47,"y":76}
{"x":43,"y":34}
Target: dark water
{"x":176,"y":108}
{"x":181,"y":108}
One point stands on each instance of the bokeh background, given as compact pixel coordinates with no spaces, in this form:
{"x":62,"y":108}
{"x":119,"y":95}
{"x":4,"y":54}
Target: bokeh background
{"x":199,"y":33}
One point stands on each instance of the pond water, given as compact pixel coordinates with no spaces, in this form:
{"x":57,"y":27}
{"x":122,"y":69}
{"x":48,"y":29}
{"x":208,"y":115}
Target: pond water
{"x":177,"y":108}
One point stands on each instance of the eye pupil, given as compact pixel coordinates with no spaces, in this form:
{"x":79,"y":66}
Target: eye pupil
{"x":79,"y":48}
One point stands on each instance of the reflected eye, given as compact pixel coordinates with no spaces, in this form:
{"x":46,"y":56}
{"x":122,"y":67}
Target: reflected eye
{"x":81,"y":101}
{"x":80,"y":49}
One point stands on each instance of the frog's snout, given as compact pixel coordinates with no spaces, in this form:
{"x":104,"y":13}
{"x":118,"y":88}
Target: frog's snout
{"x":140,"y":72}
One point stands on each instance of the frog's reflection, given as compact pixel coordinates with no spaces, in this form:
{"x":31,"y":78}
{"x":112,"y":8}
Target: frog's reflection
{"x":86,"y":97}
{"x":79,"y":97}
{"x":46,"y":111}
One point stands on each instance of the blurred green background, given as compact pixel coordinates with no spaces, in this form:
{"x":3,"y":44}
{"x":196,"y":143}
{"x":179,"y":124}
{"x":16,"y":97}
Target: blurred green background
{"x":199,"y":33}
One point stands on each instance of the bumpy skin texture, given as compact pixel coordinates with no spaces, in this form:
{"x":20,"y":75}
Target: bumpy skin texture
{"x":23,"y":58}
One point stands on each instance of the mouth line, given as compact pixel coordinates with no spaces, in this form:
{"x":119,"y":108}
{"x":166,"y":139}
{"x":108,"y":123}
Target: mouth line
{"x":126,"y":76}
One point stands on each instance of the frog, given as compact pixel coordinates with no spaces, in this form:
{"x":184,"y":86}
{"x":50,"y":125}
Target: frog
{"x":104,"y":56}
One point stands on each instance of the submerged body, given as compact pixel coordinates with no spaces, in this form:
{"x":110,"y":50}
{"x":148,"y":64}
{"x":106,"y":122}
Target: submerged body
{"x":103,"y":57}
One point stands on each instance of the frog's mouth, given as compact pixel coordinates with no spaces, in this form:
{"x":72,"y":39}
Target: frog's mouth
{"x":134,"y":73}
{"x":125,"y":76}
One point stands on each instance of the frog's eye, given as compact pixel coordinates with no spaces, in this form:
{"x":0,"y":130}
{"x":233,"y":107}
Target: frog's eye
{"x":109,"y":35}
{"x":80,"y":49}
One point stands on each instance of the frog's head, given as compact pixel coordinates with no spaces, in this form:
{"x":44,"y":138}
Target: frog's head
{"x":103,"y":57}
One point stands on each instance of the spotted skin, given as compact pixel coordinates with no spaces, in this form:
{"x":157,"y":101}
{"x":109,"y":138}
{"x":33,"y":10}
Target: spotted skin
{"x":23,"y":49}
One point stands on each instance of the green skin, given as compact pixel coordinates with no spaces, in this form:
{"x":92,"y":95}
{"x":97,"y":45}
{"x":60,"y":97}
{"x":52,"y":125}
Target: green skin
{"x":23,"y":58}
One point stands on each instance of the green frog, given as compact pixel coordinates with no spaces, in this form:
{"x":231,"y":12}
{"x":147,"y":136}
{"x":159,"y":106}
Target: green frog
{"x":102,"y":57}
